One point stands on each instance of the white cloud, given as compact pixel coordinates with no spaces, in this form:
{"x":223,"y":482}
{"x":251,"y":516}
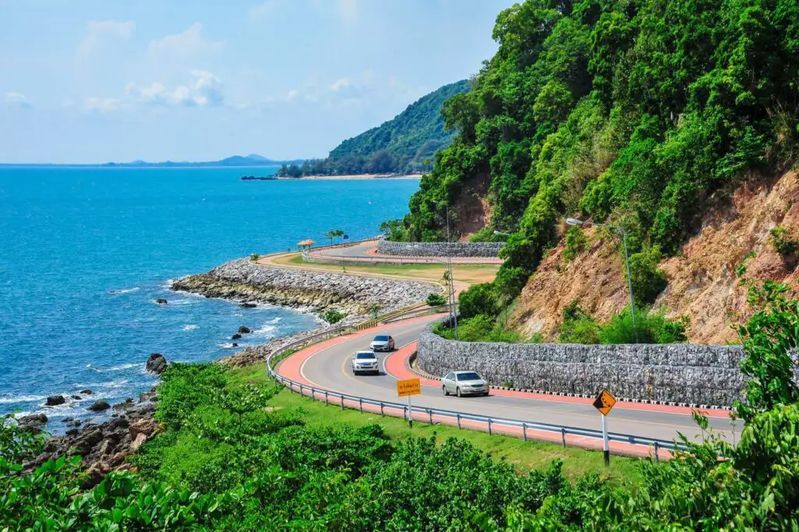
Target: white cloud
{"x":204,"y":89}
{"x":188,"y":43}
{"x":105,"y":105}
{"x":16,"y":99}
{"x":261,"y":10}
{"x":101,"y":32}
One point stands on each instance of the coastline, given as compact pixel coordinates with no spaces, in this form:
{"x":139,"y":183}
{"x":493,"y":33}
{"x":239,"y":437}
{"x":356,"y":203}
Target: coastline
{"x":350,"y":177}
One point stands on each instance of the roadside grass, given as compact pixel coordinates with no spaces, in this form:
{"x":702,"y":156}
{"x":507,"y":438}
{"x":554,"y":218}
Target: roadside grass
{"x":522,"y":455}
{"x":467,"y":273}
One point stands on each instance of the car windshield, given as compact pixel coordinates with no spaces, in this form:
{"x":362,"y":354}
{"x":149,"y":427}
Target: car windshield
{"x":470,"y":376}
{"x":361,"y":356}
{"x":381,"y":338}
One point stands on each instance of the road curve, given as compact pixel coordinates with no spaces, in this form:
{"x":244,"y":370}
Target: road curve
{"x":326,"y":366}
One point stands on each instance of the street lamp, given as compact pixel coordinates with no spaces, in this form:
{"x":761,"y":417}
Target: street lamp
{"x":620,"y":231}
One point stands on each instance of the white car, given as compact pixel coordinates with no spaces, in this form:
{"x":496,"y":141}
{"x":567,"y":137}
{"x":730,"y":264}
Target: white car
{"x":382,"y":342}
{"x":464,"y":383}
{"x":365,"y":362}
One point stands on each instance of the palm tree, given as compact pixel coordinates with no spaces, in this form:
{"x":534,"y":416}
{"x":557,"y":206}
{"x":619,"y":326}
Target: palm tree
{"x":334,"y":233}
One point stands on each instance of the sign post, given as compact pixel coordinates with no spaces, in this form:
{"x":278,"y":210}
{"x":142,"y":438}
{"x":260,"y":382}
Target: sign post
{"x":409,"y":388}
{"x":604,"y":403}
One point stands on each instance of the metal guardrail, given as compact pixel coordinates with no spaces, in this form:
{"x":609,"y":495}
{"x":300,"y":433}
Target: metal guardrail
{"x":356,"y":401}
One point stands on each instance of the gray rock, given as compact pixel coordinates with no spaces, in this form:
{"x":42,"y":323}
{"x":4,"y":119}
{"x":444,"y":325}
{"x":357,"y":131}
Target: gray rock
{"x":55,"y":400}
{"x":86,"y":392}
{"x":156,"y":363}
{"x":236,"y":336}
{"x":99,"y":406}
{"x":244,"y":330}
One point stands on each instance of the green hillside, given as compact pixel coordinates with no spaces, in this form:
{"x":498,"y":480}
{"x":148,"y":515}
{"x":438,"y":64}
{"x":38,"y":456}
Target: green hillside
{"x":630,"y":111}
{"x":404,"y":144}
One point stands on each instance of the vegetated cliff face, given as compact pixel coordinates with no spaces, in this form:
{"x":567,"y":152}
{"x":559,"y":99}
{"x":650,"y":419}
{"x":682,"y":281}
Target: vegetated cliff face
{"x":702,"y":282}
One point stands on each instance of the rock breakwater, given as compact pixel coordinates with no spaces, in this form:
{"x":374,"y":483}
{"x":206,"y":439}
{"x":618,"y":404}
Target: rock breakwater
{"x":355,"y":295}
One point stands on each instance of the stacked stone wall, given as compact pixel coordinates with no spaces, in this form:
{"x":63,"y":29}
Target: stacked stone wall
{"x":669,"y":373}
{"x":439,"y":249}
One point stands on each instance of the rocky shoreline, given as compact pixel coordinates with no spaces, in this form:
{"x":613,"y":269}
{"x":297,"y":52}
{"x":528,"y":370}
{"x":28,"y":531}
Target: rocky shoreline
{"x":104,"y":447}
{"x":354,"y":295}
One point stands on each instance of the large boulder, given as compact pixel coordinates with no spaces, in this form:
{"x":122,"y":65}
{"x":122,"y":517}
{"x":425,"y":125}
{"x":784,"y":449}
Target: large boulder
{"x":244,"y":330}
{"x":99,"y":406}
{"x":156,"y":363}
{"x":33,"y":422}
{"x":55,"y":400}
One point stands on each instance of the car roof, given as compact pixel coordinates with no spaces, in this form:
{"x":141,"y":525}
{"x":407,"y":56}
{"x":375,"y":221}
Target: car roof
{"x":365,"y":352}
{"x":465,"y":371}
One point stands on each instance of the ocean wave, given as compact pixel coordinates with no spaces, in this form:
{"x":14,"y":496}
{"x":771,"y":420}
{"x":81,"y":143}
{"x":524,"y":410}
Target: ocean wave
{"x":7,"y":399}
{"x":121,"y":367}
{"x":124,"y":291}
{"x":228,"y":345}
{"x":190,"y":327}
{"x":264,"y":330}
{"x":114,"y":384}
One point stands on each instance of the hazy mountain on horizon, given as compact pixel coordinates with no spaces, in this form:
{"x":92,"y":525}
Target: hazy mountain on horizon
{"x":252,"y":159}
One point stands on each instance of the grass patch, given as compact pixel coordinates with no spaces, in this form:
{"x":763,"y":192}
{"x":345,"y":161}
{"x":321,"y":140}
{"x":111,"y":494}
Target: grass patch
{"x":522,"y":455}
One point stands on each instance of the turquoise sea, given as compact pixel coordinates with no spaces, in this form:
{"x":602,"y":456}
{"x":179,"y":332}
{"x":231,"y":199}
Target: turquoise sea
{"x":85,"y":251}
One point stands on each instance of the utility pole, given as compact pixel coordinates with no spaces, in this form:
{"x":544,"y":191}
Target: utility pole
{"x":453,"y":312}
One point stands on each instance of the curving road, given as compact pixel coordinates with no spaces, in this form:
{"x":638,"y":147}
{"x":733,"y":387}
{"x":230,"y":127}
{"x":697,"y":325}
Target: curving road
{"x":327,"y":365}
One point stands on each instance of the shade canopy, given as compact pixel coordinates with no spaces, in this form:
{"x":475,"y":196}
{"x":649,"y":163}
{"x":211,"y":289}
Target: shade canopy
{"x":305,"y":243}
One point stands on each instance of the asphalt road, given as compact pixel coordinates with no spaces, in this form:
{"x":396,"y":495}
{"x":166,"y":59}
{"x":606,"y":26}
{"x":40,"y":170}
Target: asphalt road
{"x":330,"y":368}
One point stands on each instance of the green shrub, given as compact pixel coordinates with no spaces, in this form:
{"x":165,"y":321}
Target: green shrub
{"x":435,"y":300}
{"x":254,"y":257}
{"x":578,"y":326}
{"x":480,"y":328}
{"x":575,"y":243}
{"x":648,"y":281}
{"x":333,"y":316}
{"x":783,"y":242}
{"x":651,"y":328}
{"x":478,"y":299}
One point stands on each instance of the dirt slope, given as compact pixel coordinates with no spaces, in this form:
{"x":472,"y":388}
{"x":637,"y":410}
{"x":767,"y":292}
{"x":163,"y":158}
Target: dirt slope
{"x":702,"y":281}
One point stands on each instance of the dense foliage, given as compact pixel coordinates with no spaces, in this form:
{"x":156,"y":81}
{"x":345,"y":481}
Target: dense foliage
{"x":629,"y":110}
{"x":404,"y":144}
{"x":227,"y":461}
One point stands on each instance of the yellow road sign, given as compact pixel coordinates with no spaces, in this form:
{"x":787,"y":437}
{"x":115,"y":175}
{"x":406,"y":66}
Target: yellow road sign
{"x":604,"y":402}
{"x":409,"y":387}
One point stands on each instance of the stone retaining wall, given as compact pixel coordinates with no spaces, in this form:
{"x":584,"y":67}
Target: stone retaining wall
{"x":670,"y":373}
{"x":439,"y":249}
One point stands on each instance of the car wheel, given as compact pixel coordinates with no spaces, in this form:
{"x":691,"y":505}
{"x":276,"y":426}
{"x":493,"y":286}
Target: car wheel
{"x":444,"y":389}
{"x":458,"y":392}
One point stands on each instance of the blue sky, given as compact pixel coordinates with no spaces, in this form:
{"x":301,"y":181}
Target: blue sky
{"x":95,"y":81}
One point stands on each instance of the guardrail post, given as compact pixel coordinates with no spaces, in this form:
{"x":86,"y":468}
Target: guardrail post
{"x":360,"y":404}
{"x":430,"y":413}
{"x":657,"y":455}
{"x":313,"y":393}
{"x":342,"y":402}
{"x":327,"y":402}
{"x":563,"y":436}
{"x":489,"y":426}
{"x":524,"y":431}
{"x":459,"y":420}
{"x":381,"y":408}
{"x":301,"y":393}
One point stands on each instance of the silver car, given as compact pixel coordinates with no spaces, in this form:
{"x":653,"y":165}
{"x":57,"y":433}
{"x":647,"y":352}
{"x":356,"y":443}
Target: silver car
{"x":382,"y":342}
{"x":464,"y":383}
{"x":365,"y":362}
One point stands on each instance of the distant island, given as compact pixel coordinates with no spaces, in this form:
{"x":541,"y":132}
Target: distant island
{"x":252,"y":159}
{"x":406,"y":144}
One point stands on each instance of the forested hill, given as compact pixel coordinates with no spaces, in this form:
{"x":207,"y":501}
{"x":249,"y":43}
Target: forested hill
{"x":628,"y":111}
{"x":404,"y":144}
